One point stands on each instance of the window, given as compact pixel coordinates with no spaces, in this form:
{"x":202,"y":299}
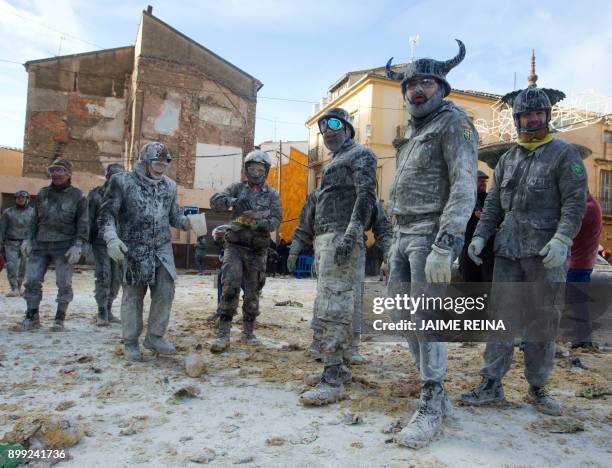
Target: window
{"x":605,"y":191}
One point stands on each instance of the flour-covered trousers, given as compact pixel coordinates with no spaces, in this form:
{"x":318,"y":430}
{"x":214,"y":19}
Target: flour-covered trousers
{"x":43,"y":254}
{"x":162,"y":296}
{"x":539,"y":324}
{"x":15,"y":263}
{"x":357,"y":319}
{"x":339,"y":290}
{"x":246,"y":267}
{"x":108,"y":276}
{"x":407,"y":258}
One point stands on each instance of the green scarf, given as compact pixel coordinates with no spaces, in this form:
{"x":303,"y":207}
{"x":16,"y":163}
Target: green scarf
{"x":533,"y":144}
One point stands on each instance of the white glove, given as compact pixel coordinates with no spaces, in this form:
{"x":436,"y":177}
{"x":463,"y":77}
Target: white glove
{"x":26,"y":248}
{"x":438,"y":266}
{"x":197,"y":223}
{"x":555,"y":252}
{"x":116,"y":249}
{"x":475,"y":248}
{"x":384,"y":268}
{"x":73,"y":254}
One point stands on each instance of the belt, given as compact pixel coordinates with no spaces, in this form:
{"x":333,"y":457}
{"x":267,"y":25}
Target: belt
{"x":404,"y":220}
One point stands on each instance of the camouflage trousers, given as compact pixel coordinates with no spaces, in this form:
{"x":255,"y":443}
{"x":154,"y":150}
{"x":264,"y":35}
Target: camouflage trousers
{"x":108,"y":276}
{"x":42,"y":256}
{"x":242,"y":265}
{"x":15,"y":263}
{"x":338,"y":305}
{"x":132,"y":302}
{"x":407,"y":258}
{"x":539,"y":331}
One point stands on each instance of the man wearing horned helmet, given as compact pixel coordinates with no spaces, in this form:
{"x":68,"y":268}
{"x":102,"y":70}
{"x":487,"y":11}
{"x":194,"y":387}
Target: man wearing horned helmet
{"x":432,"y":197}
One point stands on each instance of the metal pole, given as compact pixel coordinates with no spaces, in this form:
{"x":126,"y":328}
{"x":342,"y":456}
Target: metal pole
{"x":280,"y":185}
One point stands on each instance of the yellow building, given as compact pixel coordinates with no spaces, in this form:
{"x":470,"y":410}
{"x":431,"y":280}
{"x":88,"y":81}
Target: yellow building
{"x":293,"y":178}
{"x":380,"y":116}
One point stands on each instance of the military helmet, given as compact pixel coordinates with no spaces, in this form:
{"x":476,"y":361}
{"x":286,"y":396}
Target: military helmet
{"x":258,"y":156}
{"x":427,"y":67}
{"x":154,"y":150}
{"x":341,"y":114}
{"x":261,"y":157}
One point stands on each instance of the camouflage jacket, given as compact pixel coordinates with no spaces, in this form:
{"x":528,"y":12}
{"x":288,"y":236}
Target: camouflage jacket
{"x":537,"y":194}
{"x":144,"y":209}
{"x":15,"y":223}
{"x":348,"y":191}
{"x":434,"y":189}
{"x":266,"y":206}
{"x":60,"y":215}
{"x":379,"y":223}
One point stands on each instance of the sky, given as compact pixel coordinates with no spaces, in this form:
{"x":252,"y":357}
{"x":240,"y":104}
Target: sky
{"x":297,"y":49}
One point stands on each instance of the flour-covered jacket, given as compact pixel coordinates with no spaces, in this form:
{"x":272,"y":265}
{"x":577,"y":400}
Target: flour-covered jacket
{"x":144,"y":209}
{"x":60,"y":215}
{"x":15,"y":223}
{"x":265,"y":203}
{"x":348,"y":191}
{"x":536,"y":194}
{"x":434,"y":189}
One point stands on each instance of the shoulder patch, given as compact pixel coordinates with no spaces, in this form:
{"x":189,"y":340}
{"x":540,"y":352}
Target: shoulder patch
{"x":467,"y":134}
{"x":577,"y":167}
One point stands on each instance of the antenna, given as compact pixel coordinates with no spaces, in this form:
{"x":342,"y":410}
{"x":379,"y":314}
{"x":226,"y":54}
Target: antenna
{"x":414,"y":41}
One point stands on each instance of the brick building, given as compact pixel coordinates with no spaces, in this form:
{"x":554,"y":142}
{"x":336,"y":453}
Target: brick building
{"x":101,"y":107}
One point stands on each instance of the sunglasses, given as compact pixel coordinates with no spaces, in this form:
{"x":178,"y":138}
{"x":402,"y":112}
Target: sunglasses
{"x":426,"y":83}
{"x":332,"y":124}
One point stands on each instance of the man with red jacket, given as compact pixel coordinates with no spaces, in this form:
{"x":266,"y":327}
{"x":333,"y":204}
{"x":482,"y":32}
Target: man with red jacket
{"x":582,"y":261}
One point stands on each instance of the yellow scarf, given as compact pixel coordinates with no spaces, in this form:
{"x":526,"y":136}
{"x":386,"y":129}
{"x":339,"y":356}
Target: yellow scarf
{"x":533,"y":144}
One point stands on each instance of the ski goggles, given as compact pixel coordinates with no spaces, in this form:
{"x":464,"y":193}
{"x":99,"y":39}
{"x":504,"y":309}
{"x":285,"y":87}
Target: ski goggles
{"x":331,"y":123}
{"x":57,"y":171}
{"x":22,"y":193}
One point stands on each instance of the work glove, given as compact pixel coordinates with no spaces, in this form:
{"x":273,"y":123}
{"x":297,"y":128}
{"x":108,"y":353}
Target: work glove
{"x":241,"y":204}
{"x":555,"y":251}
{"x":344,"y":250}
{"x":475,"y":248}
{"x":197,"y":223}
{"x":26,"y":248}
{"x":116,"y":249}
{"x":294,"y":252}
{"x":438,"y":265}
{"x":73,"y":255}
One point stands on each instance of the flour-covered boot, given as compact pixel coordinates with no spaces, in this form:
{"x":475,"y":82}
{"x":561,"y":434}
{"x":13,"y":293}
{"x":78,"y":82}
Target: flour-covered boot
{"x":158,"y":344}
{"x":488,"y":392}
{"x":426,"y":422}
{"x":222,"y":341}
{"x":329,"y":390}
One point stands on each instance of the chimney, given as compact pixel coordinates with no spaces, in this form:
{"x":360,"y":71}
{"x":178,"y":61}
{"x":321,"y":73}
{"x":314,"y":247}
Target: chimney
{"x":149,"y":10}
